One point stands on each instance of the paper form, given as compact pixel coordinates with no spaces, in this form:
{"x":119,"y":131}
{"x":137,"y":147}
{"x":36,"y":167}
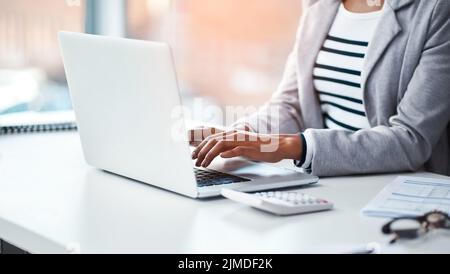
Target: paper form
{"x":410,"y":196}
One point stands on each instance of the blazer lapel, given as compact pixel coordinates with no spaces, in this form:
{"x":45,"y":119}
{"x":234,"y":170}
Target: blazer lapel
{"x":316,"y":24}
{"x":388,"y":29}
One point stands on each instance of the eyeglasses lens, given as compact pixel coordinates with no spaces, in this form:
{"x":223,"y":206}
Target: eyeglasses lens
{"x":436,"y":220}
{"x":407,"y":228}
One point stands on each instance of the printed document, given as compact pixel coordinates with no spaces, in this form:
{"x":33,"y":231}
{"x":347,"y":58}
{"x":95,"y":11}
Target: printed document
{"x":410,"y":196}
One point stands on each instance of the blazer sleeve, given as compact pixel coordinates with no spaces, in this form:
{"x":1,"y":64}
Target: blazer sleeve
{"x":423,"y":114}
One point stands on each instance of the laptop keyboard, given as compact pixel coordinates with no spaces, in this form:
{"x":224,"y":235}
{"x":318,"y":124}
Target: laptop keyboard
{"x":211,"y":178}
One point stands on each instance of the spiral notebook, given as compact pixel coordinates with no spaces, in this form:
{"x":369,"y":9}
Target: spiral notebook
{"x":34,"y":122}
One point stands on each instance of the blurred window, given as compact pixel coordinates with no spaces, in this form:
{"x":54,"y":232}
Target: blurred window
{"x":232,"y":51}
{"x":31,"y":71}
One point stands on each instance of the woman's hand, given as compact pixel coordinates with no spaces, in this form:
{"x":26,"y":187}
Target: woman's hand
{"x":253,"y":146}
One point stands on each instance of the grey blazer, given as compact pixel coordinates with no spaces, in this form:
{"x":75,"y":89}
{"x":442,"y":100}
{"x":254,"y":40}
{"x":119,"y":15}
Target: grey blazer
{"x":406,"y":85}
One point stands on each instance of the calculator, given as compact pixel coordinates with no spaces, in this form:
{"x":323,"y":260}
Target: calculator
{"x":279,"y":202}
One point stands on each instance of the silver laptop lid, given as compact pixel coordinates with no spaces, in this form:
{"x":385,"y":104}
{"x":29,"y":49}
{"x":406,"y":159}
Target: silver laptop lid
{"x":124,"y":92}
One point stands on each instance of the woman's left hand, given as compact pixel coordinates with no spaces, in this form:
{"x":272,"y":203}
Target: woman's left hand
{"x":269,"y":148}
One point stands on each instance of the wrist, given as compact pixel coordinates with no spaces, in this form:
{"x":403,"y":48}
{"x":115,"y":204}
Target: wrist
{"x":292,"y":147}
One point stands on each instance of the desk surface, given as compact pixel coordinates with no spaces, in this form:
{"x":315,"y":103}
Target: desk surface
{"x":52,"y":202}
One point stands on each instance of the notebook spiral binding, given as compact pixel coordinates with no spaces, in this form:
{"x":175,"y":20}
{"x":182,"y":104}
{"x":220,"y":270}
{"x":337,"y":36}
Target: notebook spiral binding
{"x":9,"y":130}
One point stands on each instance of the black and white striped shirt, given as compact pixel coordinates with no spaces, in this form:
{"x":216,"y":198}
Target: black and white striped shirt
{"x":338,"y":70}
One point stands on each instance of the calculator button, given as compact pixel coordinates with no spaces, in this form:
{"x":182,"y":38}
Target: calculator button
{"x":280,"y":202}
{"x":292,"y":196}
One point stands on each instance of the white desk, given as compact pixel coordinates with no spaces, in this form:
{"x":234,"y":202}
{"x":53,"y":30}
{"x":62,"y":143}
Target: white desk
{"x":51,"y":201}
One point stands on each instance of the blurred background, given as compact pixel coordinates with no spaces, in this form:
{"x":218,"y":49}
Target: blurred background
{"x":227,"y":52}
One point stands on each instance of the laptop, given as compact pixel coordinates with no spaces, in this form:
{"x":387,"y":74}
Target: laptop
{"x":124,"y":93}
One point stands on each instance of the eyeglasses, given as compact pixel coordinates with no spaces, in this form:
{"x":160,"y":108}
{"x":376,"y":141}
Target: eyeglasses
{"x":415,"y":227}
